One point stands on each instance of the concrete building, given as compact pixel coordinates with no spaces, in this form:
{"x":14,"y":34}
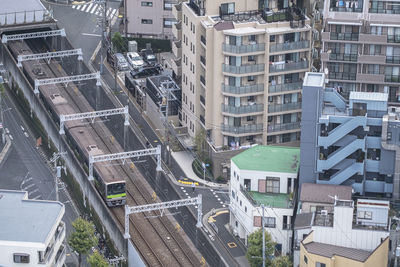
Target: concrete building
{"x":352,"y":143}
{"x":361,"y":48}
{"x":32,"y":232}
{"x":241,"y":64}
{"x":346,"y":236}
{"x":264,"y":175}
{"x":149,"y":18}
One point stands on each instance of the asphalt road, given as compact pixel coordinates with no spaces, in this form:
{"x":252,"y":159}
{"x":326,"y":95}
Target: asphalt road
{"x":24,"y":168}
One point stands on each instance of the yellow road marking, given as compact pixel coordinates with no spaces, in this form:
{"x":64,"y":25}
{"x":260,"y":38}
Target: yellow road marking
{"x":188,"y":183}
{"x":232,"y":245}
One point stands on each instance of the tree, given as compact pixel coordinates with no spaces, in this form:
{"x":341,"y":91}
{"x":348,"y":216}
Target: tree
{"x":282,"y":261}
{"x":254,"y":251}
{"x":97,"y":260}
{"x":118,"y":42}
{"x":199,"y":141}
{"x":83,"y":238}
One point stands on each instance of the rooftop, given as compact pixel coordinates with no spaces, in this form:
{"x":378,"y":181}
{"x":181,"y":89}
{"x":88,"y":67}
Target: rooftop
{"x":18,"y":11}
{"x":24,"y":220}
{"x":324,"y":193}
{"x":269,"y":159}
{"x":303,"y":220}
{"x":371,"y":96}
{"x":270,"y":200}
{"x":329,"y":251}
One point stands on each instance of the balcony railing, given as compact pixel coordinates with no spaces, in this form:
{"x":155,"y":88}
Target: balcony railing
{"x":203,"y":60}
{"x":200,"y":11}
{"x":283,"y":107}
{"x":60,"y":230}
{"x":202,"y":79}
{"x":392,"y":78}
{"x":285,"y":87}
{"x":203,"y":39}
{"x":393,"y":38}
{"x":202,"y":120}
{"x":289,"y":46}
{"x":393,"y":59}
{"x":202,"y":100}
{"x":346,"y":9}
{"x":254,"y":128}
{"x":344,"y":36}
{"x":284,"y":127}
{"x":60,"y":254}
{"x":289,"y":66}
{"x":247,"y":89}
{"x":241,"y":49}
{"x":243,"y":69}
{"x":243,"y":109}
{"x":342,"y":76}
{"x":384,"y":11}
{"x":343,"y":57}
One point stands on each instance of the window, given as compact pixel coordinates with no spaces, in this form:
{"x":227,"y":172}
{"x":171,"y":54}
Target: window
{"x":168,"y":6}
{"x":245,"y":209}
{"x":233,"y":194}
{"x":149,"y":4}
{"x":305,"y":259}
{"x":251,"y":58}
{"x":272,"y":185}
{"x":389,"y":136}
{"x":269,"y":222}
{"x":252,"y":38}
{"x":366,"y":215}
{"x":240,"y":203}
{"x":272,"y":38}
{"x":147,"y":21}
{"x":318,"y":264}
{"x":227,"y":9}
{"x":169,"y":22}
{"x":21,"y":258}
{"x":250,"y":78}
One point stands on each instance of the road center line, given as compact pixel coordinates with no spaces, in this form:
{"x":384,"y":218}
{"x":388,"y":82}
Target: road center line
{"x":91,"y":34}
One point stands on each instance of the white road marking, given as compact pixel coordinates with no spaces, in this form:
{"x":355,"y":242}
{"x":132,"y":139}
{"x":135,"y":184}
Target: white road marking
{"x":74,"y":6}
{"x":27,"y":187}
{"x":108,"y":11}
{"x":34,"y":191}
{"x":91,"y":34}
{"x":89,"y":7}
{"x":184,"y":191}
{"x":37,"y":197}
{"x":222,"y":203}
{"x":113,"y":13}
{"x":29,"y":179}
{"x":186,"y":194}
{"x":219,"y":199}
{"x":94,"y":8}
{"x":78,"y":7}
{"x":84,"y":7}
{"x":223,"y":206}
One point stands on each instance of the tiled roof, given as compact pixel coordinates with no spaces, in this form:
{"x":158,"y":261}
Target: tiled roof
{"x":328,"y":251}
{"x":324,"y":193}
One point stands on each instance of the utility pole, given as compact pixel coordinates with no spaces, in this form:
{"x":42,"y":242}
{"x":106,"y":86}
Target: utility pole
{"x":57,"y":169}
{"x":3,"y":133}
{"x":263,"y":235}
{"x":104,"y":25}
{"x":166,"y":86}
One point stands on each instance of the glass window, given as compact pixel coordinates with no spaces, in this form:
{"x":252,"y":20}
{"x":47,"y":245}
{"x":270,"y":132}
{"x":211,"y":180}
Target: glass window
{"x":305,"y":259}
{"x":318,"y":264}
{"x":147,"y":21}
{"x":272,"y":185}
{"x":269,"y":222}
{"x":147,"y":3}
{"x":227,"y":9}
{"x":21,"y":258}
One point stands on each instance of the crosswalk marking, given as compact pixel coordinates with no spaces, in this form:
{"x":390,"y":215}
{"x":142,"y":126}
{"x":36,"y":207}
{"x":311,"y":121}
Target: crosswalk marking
{"x":27,"y":187}
{"x":93,"y":9}
{"x":37,"y":197}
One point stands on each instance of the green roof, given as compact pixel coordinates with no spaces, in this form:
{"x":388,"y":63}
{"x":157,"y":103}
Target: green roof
{"x":269,"y":158}
{"x":271,"y":200}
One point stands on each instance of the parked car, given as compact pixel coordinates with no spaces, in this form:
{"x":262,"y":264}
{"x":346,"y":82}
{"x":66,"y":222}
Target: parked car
{"x":146,"y":72}
{"x":149,"y":56}
{"x":135,"y":60}
{"x":122,"y":63}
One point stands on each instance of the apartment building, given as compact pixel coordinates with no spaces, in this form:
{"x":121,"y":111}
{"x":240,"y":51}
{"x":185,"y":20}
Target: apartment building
{"x":264,"y":175}
{"x":361,"y":46}
{"x":241,"y":64}
{"x":32,"y":232}
{"x":352,"y":143}
{"x":349,"y":235}
{"x":149,"y":18}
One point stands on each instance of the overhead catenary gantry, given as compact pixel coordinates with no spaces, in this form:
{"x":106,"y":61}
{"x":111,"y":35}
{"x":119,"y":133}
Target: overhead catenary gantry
{"x":156,"y":151}
{"x":67,"y":79}
{"x":31,"y":35}
{"x":162,"y":206}
{"x":92,"y":115}
{"x":50,"y":55}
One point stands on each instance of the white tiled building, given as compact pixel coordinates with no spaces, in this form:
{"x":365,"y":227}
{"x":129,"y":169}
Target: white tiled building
{"x":31,"y":231}
{"x":264,"y":175}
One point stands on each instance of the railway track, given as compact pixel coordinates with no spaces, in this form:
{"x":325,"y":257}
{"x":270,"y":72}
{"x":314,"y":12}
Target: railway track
{"x":146,"y":239}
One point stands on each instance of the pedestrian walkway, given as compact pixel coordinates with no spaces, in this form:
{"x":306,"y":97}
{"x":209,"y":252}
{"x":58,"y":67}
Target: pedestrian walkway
{"x":95,"y":9}
{"x":185,"y":160}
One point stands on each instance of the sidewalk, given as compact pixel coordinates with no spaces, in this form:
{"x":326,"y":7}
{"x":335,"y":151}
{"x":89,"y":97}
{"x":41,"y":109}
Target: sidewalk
{"x":184,"y":160}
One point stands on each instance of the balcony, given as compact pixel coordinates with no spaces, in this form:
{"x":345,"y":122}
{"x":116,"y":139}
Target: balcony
{"x":393,"y":38}
{"x":60,"y":256}
{"x":392,"y":78}
{"x":343,"y":57}
{"x":197,"y":7}
{"x":177,"y":67}
{"x":202,"y":100}
{"x":393,"y":59}
{"x":371,"y":59}
{"x":203,"y":40}
{"x":284,"y":127}
{"x":285,"y":87}
{"x":344,"y":36}
{"x":177,"y":30}
{"x":280,"y":201}
{"x":177,"y":11}
{"x":202,"y":80}
{"x":177,"y":49}
{"x":342,"y":76}
{"x":384,"y":11}
{"x":244,"y":69}
{"x":370,"y":78}
{"x":243,"y":49}
{"x":372,"y":38}
{"x":272,"y":108}
{"x":203,"y":60}
{"x":243,"y":90}
{"x":203,"y":121}
{"x":289,"y":46}
{"x":245,"y":129}
{"x":274,"y":67}
{"x":256,"y":108}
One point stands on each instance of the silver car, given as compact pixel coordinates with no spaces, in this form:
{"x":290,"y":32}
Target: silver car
{"x":122,"y":63}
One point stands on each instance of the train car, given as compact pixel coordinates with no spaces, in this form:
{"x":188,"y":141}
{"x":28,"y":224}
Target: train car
{"x":80,"y":135}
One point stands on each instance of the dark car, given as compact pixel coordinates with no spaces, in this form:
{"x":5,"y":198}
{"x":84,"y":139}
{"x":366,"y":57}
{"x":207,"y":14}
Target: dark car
{"x":146,"y":72}
{"x":149,"y":56}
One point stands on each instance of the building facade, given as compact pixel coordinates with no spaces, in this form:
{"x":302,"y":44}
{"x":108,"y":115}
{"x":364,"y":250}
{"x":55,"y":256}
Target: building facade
{"x":264,"y":175}
{"x":241,"y":66}
{"x":149,"y":18}
{"x":361,"y":46}
{"x":33,"y":232}
{"x":347,"y":143}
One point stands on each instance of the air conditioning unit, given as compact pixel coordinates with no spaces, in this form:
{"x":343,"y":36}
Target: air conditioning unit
{"x":324,"y":212}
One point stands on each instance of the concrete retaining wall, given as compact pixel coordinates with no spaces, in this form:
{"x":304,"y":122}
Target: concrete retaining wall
{"x":72,"y":163}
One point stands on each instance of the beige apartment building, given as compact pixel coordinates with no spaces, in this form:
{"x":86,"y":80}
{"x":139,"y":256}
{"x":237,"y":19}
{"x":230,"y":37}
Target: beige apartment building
{"x":149,"y":18}
{"x":361,"y":46}
{"x":241,"y":66}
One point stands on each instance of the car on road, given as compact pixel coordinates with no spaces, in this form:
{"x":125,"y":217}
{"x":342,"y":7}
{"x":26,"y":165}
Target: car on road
{"x":135,"y":60}
{"x":146,"y":72}
{"x":122,"y":63}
